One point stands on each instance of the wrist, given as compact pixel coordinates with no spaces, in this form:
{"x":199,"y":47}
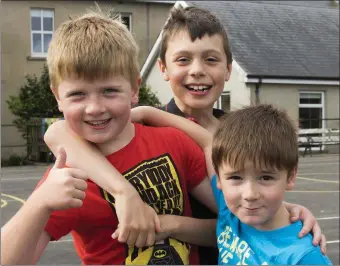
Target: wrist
{"x":39,"y":202}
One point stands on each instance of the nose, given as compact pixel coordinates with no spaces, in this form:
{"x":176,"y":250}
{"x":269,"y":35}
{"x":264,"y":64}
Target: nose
{"x":250,"y":191}
{"x":197,"y":68}
{"x":94,"y":107}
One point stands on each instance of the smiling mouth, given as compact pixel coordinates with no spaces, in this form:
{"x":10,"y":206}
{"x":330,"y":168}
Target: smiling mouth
{"x":198,"y":88}
{"x":98,"y":123}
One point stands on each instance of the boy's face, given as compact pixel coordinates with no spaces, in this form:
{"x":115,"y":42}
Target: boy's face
{"x":98,"y":111}
{"x":255,"y":196}
{"x":196,"y":70}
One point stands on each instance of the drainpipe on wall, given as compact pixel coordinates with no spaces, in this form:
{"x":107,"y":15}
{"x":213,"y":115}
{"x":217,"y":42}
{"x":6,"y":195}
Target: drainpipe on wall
{"x":148,"y":27}
{"x":257,"y":91}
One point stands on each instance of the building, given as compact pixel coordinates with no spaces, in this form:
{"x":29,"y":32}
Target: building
{"x":285,"y":53}
{"x":26,"y":29}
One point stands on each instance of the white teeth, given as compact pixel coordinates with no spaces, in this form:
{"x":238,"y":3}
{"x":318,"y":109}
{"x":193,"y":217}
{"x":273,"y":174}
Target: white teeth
{"x":199,"y":88}
{"x":98,"y":123}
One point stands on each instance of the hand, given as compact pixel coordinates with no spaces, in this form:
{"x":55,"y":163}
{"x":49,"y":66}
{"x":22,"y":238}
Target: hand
{"x":64,"y":187}
{"x":310,"y":224}
{"x":138,"y":222}
{"x":167,"y":223}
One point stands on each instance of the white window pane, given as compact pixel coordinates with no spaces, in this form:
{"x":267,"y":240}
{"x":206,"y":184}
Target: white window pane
{"x":35,"y":13}
{"x":310,"y":98}
{"x":48,"y":13}
{"x":47,"y":39}
{"x":35,"y":23}
{"x":48,"y":24}
{"x":37,"y":43}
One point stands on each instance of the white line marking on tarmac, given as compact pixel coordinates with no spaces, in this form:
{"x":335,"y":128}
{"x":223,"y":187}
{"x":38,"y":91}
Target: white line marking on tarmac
{"x":20,"y":179}
{"x":317,"y":180}
{"x":332,"y":241}
{"x":313,"y":191}
{"x":327,"y":218}
{"x":306,"y":164}
{"x":318,"y":174}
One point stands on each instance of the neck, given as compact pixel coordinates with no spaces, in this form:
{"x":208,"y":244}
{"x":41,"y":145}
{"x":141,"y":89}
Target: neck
{"x":204,"y":116}
{"x":116,"y":144}
{"x":280,"y":219}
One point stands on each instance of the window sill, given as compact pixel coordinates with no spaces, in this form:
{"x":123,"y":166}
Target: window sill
{"x":36,"y":58}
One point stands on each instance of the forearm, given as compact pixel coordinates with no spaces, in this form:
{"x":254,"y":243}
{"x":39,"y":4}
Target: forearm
{"x":155,"y":117}
{"x":87,"y":157}
{"x":200,"y":232}
{"x":20,"y":235}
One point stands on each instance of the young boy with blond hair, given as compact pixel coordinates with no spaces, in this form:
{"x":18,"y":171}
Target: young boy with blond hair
{"x":196,"y":59}
{"x":254,"y":153}
{"x":94,"y":75}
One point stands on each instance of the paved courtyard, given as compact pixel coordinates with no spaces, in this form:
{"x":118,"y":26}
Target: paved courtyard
{"x":317,"y":188}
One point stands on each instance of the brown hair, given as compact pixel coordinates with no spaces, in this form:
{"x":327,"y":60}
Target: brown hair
{"x":92,"y":46}
{"x":261,"y":134}
{"x":198,"y":22}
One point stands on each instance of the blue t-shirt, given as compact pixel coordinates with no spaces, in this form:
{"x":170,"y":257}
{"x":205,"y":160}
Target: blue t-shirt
{"x":239,"y":243}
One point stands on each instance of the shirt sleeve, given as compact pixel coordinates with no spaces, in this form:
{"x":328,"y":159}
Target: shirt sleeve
{"x":61,"y":222}
{"x":314,"y":257}
{"x":195,"y":167}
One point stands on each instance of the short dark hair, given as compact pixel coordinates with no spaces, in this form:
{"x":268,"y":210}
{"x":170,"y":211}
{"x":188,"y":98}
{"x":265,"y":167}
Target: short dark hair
{"x":198,"y":22}
{"x":262,"y":134}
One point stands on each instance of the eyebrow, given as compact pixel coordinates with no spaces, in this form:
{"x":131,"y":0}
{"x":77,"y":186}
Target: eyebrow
{"x":204,"y":52}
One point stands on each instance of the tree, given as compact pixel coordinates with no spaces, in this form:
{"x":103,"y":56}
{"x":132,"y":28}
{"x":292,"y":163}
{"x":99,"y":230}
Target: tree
{"x":35,"y":99}
{"x":147,"y":96}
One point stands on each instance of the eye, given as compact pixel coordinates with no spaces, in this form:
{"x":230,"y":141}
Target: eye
{"x":234,"y":177}
{"x":76,"y":94}
{"x":110,"y":91}
{"x":212,"y":59}
{"x":182,"y":60}
{"x":266,"y":178}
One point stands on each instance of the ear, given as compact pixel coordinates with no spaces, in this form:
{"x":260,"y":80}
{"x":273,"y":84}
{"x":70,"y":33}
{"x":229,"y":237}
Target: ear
{"x":229,"y":69}
{"x":163,"y":69}
{"x":291,"y":180}
{"x":56,"y":95}
{"x":135,"y":91}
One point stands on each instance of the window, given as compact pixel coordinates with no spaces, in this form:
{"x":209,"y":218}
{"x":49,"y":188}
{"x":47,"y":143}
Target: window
{"x":224,"y":101}
{"x":126,"y":18}
{"x":42,"y":21}
{"x":311,"y":109}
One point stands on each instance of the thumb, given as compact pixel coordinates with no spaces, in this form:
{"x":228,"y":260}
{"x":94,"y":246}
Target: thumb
{"x":61,"y":158}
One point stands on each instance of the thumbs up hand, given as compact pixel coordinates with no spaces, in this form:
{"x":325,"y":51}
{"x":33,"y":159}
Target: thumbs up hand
{"x":64,"y":188}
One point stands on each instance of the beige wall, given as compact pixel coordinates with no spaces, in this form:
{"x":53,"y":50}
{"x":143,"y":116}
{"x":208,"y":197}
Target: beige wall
{"x":16,"y":45}
{"x":287,"y":97}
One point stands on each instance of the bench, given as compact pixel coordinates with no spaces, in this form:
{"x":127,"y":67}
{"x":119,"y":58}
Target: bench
{"x":317,"y":137}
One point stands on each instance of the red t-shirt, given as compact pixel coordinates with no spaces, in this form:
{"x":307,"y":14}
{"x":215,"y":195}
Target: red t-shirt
{"x":163,"y":164}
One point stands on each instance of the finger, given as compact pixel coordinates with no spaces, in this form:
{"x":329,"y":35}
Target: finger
{"x":142,"y":238}
{"x":307,"y":227}
{"x":61,"y":159}
{"x":323,"y":245}
{"x":78,"y":194}
{"x":150,"y":238}
{"x":115,"y":233}
{"x":294,"y":214}
{"x":133,"y":235}
{"x":80,"y":184}
{"x":124,"y":234}
{"x":76,"y":203}
{"x":316,"y":234}
{"x":77,"y":173}
{"x":157,"y":222}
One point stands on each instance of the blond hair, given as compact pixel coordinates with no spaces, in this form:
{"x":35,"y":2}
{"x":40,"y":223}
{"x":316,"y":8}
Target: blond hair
{"x":262,"y":134}
{"x":90,"y":47}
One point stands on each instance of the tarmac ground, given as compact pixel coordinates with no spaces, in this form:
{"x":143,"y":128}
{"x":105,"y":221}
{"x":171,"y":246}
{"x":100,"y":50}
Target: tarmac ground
{"x":317,"y":188}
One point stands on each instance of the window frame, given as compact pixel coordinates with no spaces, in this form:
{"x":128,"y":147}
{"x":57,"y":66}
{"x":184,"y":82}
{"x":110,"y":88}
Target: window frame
{"x":127,"y":14}
{"x":315,"y":105}
{"x":219,"y":102}
{"x":41,"y":31}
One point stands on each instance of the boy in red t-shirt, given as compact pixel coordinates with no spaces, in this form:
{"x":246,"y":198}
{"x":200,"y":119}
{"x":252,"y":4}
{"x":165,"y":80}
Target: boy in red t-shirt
{"x":94,"y":76}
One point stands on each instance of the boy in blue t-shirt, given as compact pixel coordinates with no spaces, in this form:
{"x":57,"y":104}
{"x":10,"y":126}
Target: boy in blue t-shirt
{"x":254,"y":153}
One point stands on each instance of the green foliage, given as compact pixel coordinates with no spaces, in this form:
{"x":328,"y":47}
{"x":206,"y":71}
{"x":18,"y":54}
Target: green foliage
{"x":147,"y":96}
{"x":35,"y":99}
{"x":13,"y":160}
